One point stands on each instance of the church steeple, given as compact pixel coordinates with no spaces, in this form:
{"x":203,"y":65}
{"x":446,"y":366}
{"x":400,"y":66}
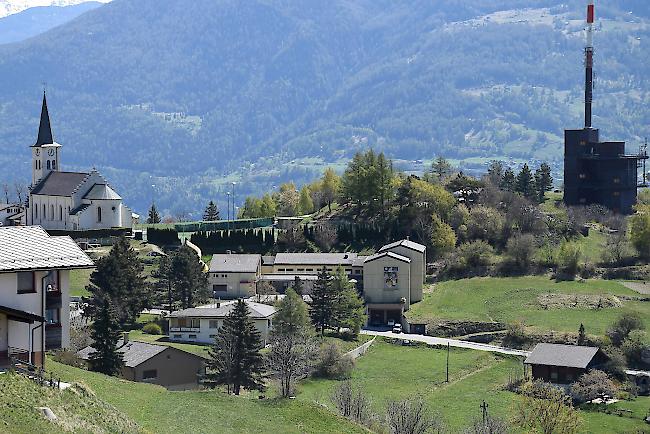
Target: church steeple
{"x":44,"y":129}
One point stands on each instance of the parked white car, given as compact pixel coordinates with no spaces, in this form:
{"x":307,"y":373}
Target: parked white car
{"x":397,"y":328}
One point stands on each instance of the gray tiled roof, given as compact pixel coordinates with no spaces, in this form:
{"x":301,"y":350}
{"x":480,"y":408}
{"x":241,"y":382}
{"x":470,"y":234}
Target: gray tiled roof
{"x":233,"y":263}
{"x":405,"y":243}
{"x":315,"y":258}
{"x":101,"y":192}
{"x":268,"y":260}
{"x":389,"y":255}
{"x":59,"y":184}
{"x":561,"y":355}
{"x":133,"y":354}
{"x":359,"y":260}
{"x":257,"y":310}
{"x":31,"y":248}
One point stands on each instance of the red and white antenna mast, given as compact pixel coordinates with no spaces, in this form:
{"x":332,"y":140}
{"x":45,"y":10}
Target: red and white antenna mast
{"x":589,"y":63}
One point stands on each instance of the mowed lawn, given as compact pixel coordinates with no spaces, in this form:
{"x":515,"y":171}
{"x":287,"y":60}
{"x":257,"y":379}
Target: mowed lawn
{"x":158,"y":410}
{"x":390,"y":371}
{"x":517,"y":299}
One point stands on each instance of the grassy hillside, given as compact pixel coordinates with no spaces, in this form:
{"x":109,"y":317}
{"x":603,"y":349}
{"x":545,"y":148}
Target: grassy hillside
{"x":158,"y":410}
{"x":538,"y":301}
{"x":77,"y":409}
{"x":390,"y":371}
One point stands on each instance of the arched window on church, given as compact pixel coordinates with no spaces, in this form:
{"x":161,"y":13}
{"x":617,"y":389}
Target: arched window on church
{"x":44,"y":213}
{"x":35,"y":216}
{"x":60,"y":213}
{"x":48,"y":164}
{"x":52,"y":212}
{"x":36,"y":165}
{"x":99,"y":214}
{"x":53,"y":164}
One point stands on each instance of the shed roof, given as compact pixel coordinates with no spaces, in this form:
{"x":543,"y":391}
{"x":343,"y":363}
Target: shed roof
{"x":315,"y":258}
{"x":571,"y":356}
{"x":233,"y":263}
{"x":59,"y":183}
{"x":31,"y":248}
{"x":257,"y":311}
{"x":134,"y":353}
{"x":405,"y":243}
{"x":101,"y":192}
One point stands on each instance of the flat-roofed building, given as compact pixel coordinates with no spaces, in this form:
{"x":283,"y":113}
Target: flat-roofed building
{"x":312,"y":263}
{"x":234,"y":275}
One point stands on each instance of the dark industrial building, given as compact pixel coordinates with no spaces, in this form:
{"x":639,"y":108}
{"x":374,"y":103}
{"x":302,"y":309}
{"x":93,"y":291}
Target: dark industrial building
{"x":598,"y":172}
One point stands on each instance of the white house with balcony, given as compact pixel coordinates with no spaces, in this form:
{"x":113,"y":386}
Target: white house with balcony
{"x":35,"y":291}
{"x":70,"y":201}
{"x":201,"y":324}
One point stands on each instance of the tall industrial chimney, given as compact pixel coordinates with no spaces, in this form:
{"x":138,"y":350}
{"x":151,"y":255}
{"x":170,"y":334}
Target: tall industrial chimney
{"x":589,"y":63}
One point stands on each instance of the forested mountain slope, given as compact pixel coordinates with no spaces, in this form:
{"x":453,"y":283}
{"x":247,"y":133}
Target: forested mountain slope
{"x":178,"y":93}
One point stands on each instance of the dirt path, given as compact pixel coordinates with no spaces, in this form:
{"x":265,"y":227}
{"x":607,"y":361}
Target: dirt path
{"x":639,"y":286}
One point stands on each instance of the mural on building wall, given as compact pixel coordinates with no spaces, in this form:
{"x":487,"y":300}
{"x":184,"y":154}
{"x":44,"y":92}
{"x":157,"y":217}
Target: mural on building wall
{"x":390,"y":276}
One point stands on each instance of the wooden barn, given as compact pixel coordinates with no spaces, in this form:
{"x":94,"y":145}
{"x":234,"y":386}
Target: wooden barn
{"x":563,"y":364}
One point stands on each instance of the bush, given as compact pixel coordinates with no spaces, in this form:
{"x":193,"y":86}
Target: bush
{"x":592,"y":385}
{"x":475,"y":253}
{"x":616,"y":364}
{"x":626,"y":323}
{"x":152,"y":329}
{"x":568,"y":259}
{"x":333,"y":364}
{"x":520,"y":250}
{"x":636,"y":348}
{"x":485,"y":223}
{"x":588,"y":270}
{"x":68,"y":357}
{"x":515,"y":336}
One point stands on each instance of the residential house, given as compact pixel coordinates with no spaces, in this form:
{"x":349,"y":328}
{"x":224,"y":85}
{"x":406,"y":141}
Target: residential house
{"x":563,"y":364}
{"x":12,"y":214}
{"x":35,"y":291}
{"x":201,"y":324}
{"x":234,"y":275}
{"x":156,"y":364}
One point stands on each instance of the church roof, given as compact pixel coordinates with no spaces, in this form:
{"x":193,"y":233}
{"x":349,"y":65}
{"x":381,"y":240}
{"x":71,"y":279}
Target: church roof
{"x":44,"y":128}
{"x":101,"y":191}
{"x":59,"y":183}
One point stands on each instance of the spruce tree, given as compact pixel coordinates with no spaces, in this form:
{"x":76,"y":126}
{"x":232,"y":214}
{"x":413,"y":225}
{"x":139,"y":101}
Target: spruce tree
{"x":297,"y":285}
{"x":440,"y":170}
{"x":189,"y":282}
{"x":211,"y":213}
{"x":525,"y":183}
{"x":508,"y":180}
{"x":105,"y":334}
{"x":154,"y":216}
{"x":235,"y":358}
{"x":543,"y":181}
{"x":348,"y":310}
{"x":118,"y":276}
{"x":322,"y":302}
{"x":582,"y":337}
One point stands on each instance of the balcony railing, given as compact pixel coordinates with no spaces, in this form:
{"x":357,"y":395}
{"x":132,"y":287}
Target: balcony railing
{"x":184,"y":329}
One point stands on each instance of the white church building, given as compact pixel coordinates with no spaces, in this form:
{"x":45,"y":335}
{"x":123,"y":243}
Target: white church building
{"x":70,"y":201}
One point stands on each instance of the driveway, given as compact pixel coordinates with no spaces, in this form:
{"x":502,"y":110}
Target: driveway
{"x":452,"y":342}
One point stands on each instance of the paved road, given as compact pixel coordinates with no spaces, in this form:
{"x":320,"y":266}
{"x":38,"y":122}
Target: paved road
{"x":452,"y":342}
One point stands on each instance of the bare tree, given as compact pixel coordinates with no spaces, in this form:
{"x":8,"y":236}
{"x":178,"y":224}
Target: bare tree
{"x":489,"y":425}
{"x":410,"y":416}
{"x":291,"y":358}
{"x":352,"y":403}
{"x":616,"y":248}
{"x":546,"y":409}
{"x":21,"y":191}
{"x":326,"y":236}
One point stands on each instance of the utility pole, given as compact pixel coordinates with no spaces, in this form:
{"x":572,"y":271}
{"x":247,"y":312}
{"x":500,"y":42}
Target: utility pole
{"x":228,"y":206}
{"x":447,"y":362}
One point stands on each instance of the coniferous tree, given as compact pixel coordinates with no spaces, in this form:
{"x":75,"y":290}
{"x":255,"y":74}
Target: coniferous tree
{"x":347,"y":309}
{"x":211,"y":213}
{"x":582,"y":337}
{"x":154,"y":216}
{"x":105,"y":334}
{"x":508,"y":181}
{"x":297,"y":285}
{"x":235,"y":358}
{"x":440,"y":170}
{"x":543,"y":181}
{"x":188,"y":281}
{"x":118,"y":276}
{"x":525,"y":183}
{"x":322,"y":304}
{"x":495,"y":172}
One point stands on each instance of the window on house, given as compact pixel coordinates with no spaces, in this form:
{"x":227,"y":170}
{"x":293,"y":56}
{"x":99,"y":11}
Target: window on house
{"x":26,"y":282}
{"x":53,"y":316}
{"x":219,"y":288}
{"x":149,"y":374}
{"x":99,"y":214}
{"x":191,"y":336}
{"x":214,"y":324}
{"x":617,"y":180}
{"x":195,"y":323}
{"x":178,"y":336}
{"x":213,"y":336}
{"x":582,"y":176}
{"x":616,"y":193}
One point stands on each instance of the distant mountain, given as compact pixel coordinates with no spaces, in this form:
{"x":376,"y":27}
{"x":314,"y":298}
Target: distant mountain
{"x":10,"y":7}
{"x":36,"y":20}
{"x":179,"y":94}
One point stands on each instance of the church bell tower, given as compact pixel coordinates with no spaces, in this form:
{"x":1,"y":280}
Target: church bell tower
{"x":45,"y":152}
